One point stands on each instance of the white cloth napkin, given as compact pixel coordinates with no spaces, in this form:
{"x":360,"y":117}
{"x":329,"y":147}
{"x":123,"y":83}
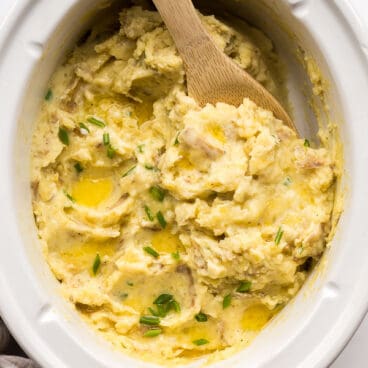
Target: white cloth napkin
{"x":8,"y":361}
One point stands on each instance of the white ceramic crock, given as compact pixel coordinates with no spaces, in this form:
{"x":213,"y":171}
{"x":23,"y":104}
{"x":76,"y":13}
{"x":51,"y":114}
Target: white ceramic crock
{"x":312,"y":330}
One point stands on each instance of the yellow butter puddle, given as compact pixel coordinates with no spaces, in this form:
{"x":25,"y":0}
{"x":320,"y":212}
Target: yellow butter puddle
{"x":255,"y":317}
{"x":91,"y":192}
{"x":143,"y":112}
{"x":82,"y":255}
{"x":216,"y":132}
{"x":166,"y":242}
{"x":201,"y":330}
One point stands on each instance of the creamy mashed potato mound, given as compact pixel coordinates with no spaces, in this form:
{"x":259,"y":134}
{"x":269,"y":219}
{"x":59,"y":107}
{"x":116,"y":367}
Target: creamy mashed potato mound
{"x":175,"y":230}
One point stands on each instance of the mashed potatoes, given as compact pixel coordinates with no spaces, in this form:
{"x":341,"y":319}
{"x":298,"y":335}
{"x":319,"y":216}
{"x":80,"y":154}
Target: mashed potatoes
{"x":175,"y":230}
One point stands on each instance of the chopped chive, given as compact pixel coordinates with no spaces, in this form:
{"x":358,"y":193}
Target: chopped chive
{"x":151,"y":251}
{"x":96,"y":122}
{"x":176,"y":142}
{"x":175,"y":305}
{"x":69,"y":196}
{"x":129,"y":171}
{"x":110,"y":151}
{"x":163,"y":309}
{"x":279,"y":235}
{"x":201,"y":317}
{"x":154,"y":313}
{"x":130,"y":283}
{"x":149,"y":320}
{"x":106,"y":139}
{"x":153,"y":332}
{"x":163,"y":299}
{"x":161,"y":219}
{"x":151,"y":167}
{"x":78,"y":167}
{"x":176,"y":255}
{"x":244,"y":287}
{"x":157,"y":193}
{"x":96,"y":264}
{"x":83,"y":126}
{"x":140,"y":148}
{"x":287,"y":181}
{"x":149,"y":213}
{"x":48,"y":95}
{"x":63,"y":136}
{"x":123,"y":296}
{"x":200,"y":342}
{"x":306,"y":143}
{"x":227,"y":301}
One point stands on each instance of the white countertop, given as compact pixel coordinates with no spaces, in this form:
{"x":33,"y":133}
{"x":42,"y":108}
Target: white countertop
{"x":355,"y":355}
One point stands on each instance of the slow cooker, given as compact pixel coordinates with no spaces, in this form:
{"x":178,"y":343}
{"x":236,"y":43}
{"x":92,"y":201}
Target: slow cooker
{"x":314,"y":327}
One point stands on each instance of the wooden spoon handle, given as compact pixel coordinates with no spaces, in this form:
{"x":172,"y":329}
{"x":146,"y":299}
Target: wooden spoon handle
{"x":185,"y":27}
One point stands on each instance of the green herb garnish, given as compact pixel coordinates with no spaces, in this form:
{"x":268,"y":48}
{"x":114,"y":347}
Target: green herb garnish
{"x":200,"y":342}
{"x":161,"y":219}
{"x":130,"y":283}
{"x":110,"y":151}
{"x":163,"y":299}
{"x":153,"y":332}
{"x":227,"y":301}
{"x":176,"y":142}
{"x":69,"y":196}
{"x":140,"y":148}
{"x":96,"y":122}
{"x":287,"y":181}
{"x":155,"y":313}
{"x":48,"y":95}
{"x":123,"y":296}
{"x":78,"y":167}
{"x":163,"y":309}
{"x":149,"y":320}
{"x":63,"y":136}
{"x":306,"y":143}
{"x":279,"y":235}
{"x":201,"y":317}
{"x":106,"y":139}
{"x":176,"y":255}
{"x":175,"y":305}
{"x":151,"y":167}
{"x":149,"y":213}
{"x":157,"y":193}
{"x":165,"y":303}
{"x":84,"y":127}
{"x":151,"y":251}
{"x":96,"y":264}
{"x":244,"y":287}
{"x":129,"y":171}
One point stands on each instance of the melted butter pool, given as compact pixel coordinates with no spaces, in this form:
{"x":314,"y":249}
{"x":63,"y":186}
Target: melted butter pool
{"x":255,"y":317}
{"x":91,"y":192}
{"x":216,"y":132}
{"x":82,"y":255}
{"x":166,"y":242}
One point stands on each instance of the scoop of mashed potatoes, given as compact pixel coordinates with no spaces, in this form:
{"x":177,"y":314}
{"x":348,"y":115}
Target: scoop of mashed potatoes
{"x":175,"y":230}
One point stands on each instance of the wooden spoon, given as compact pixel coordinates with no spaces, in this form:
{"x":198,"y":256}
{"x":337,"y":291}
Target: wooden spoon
{"x":211,"y":75}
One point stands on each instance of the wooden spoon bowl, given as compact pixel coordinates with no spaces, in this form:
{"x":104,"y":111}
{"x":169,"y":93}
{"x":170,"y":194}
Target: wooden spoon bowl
{"x":211,"y":75}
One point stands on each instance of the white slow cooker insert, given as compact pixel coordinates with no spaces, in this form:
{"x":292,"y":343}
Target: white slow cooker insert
{"x":315,"y":326}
